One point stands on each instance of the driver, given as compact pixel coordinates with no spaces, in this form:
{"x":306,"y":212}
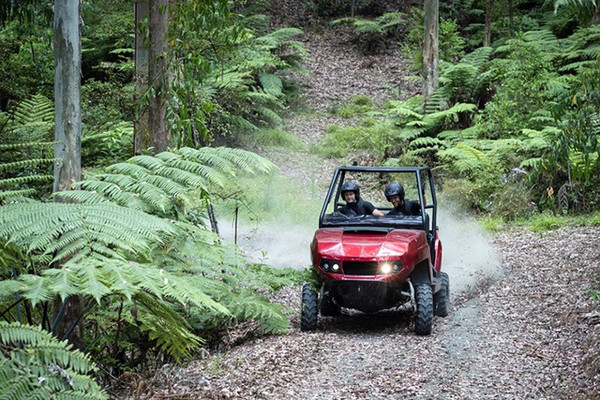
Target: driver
{"x":394,"y":192}
{"x":354,"y":204}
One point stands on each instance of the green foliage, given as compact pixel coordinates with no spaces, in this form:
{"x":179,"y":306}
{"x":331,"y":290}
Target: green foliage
{"x":26,"y":57}
{"x":226,"y":79}
{"x":128,"y":234}
{"x":580,"y":50}
{"x":26,"y":156}
{"x":272,"y":138}
{"x":105,"y":103}
{"x":583,"y":9}
{"x":107,"y":42}
{"x":356,"y":106}
{"x":36,"y":365}
{"x":371,"y":34}
{"x":451,"y":44}
{"x":574,"y":157}
{"x":112,"y":144}
{"x":512,"y":108}
{"x":343,"y":141}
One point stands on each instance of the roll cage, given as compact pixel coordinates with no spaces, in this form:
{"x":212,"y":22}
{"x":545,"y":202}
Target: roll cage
{"x":423,"y":179}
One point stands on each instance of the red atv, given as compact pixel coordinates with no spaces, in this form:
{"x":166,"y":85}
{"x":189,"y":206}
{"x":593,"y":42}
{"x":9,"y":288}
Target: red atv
{"x":367,"y":261}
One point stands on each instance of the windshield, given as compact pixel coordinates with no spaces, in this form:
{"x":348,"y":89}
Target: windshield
{"x":413,"y":186}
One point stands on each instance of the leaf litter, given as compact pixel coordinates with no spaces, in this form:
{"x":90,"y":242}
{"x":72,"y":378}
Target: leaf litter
{"x":531,"y":334}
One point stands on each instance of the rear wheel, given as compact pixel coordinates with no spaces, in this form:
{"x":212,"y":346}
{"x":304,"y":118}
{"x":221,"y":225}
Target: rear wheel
{"x":441,"y":300}
{"x":424,"y":312}
{"x":309,"y":309}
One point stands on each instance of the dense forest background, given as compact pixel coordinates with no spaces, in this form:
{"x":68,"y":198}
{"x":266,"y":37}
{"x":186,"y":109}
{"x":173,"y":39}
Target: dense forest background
{"x":512,"y":131}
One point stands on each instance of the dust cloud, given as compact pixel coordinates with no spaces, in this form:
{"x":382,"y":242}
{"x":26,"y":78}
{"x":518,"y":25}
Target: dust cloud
{"x":467,"y":253}
{"x":279,"y":243}
{"x":468,"y":256}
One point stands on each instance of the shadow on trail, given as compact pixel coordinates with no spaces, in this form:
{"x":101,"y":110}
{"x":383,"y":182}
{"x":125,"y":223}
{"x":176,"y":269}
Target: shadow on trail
{"x":397,"y":320}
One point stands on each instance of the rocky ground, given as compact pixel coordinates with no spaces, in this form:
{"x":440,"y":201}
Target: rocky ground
{"x":528,"y":333}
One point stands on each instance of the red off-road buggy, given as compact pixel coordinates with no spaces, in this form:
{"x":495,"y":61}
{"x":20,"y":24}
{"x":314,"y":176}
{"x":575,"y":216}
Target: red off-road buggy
{"x":370,"y":263}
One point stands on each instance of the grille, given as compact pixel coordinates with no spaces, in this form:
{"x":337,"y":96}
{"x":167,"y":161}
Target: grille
{"x":360,"y":268}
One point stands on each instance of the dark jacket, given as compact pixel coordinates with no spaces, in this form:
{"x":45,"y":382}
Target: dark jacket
{"x":408,"y":207}
{"x":361,"y":207}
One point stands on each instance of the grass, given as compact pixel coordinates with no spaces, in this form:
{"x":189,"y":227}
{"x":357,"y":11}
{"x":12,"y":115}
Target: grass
{"x":274,"y":138}
{"x":356,"y":106}
{"x":542,"y":222}
{"x":368,"y":136}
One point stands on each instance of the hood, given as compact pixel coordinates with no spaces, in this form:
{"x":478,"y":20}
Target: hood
{"x":336,"y":243}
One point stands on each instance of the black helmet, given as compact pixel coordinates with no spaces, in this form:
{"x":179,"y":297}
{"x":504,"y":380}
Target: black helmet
{"x":351,"y":187}
{"x":393,"y":189}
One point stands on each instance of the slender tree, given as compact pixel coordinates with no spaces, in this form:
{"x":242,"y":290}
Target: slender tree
{"x":160,"y":137}
{"x":487,"y":35}
{"x":142,"y":135}
{"x":431,"y":48}
{"x":67,"y":131}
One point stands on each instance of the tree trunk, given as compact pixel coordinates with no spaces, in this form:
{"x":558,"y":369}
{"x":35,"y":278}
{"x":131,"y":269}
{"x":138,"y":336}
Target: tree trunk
{"x":141,"y":139}
{"x":67,"y":94}
{"x":160,"y":137}
{"x":487,"y":35}
{"x":431,"y":49}
{"x":67,"y":129}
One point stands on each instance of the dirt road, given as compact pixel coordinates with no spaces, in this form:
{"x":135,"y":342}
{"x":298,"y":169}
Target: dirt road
{"x":525,"y":335}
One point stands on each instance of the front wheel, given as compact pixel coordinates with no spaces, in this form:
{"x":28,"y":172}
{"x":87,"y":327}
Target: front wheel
{"x":441,"y":299}
{"x":424,"y":312}
{"x":309,"y":309}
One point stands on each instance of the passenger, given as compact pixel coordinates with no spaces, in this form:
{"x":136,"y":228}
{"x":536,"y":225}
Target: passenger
{"x":354,"y":204}
{"x":394,"y":192}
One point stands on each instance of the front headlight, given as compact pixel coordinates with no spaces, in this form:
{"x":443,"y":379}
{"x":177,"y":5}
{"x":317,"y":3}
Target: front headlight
{"x":390,"y":267}
{"x":330,"y":266}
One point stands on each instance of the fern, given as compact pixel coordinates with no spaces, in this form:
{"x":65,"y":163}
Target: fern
{"x":465,"y":159}
{"x":109,"y":245}
{"x":35,"y":364}
{"x":271,"y":83}
{"x":36,"y":109}
{"x":25,"y":156}
{"x":76,"y":230}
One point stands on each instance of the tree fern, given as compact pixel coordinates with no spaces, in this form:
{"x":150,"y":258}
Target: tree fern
{"x":35,"y":365}
{"x":109,"y":245}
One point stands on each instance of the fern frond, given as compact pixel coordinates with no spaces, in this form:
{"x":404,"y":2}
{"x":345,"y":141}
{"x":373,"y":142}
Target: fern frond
{"x":25,"y":179}
{"x":410,"y":133}
{"x":38,"y":108}
{"x":270,"y":115}
{"x":248,"y":306}
{"x":531,"y":162}
{"x":170,"y":330}
{"x":25,"y":163}
{"x":478,"y":56}
{"x":465,"y":158}
{"x":36,"y":225}
{"x":426,"y":142}
{"x":400,"y":108}
{"x":271,"y":83}
{"x":39,"y":364}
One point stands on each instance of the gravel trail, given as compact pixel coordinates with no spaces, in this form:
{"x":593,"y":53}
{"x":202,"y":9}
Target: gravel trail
{"x":526,"y":335}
